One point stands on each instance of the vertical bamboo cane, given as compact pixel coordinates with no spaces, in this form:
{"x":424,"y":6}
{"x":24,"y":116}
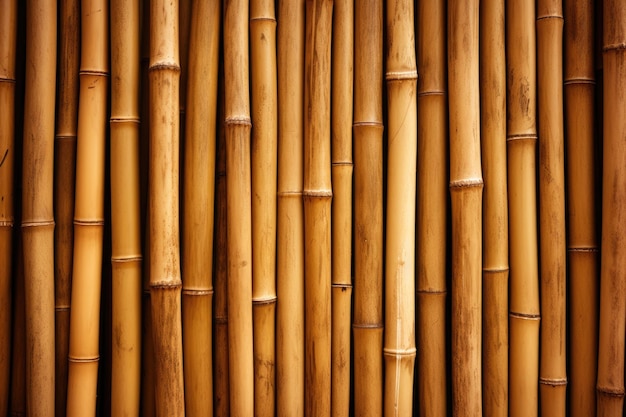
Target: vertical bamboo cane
{"x":495,"y":353}
{"x":613,"y":261}
{"x":237,"y":130}
{"x":199,"y":186}
{"x":368,"y":209}
{"x":583,"y":250}
{"x":524,"y":315}
{"x":399,"y":349}
{"x":342,"y":168}
{"x":290,"y":223}
{"x":432,"y":207}
{"x":37,"y":204}
{"x":317,"y":196}
{"x":18,"y":340}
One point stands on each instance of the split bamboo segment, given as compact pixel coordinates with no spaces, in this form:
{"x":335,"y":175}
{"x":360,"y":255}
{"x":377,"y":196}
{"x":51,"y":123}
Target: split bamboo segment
{"x":466,"y":189}
{"x":495,"y":353}
{"x":126,"y":257}
{"x":37,"y":204}
{"x":524,"y":313}
{"x":290,"y":221}
{"x":583,"y":250}
{"x":432,"y":206}
{"x":199,"y":190}
{"x":399,"y":338}
{"x":317,"y":199}
{"x":613,"y":262}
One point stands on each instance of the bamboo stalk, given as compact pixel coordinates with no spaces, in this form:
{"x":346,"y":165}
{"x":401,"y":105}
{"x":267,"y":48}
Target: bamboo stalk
{"x":37,"y":205}
{"x":524,"y":313}
{"x":583,"y":250}
{"x":432,"y":207}
{"x":148,"y":402}
{"x":610,"y":384}
{"x":342,"y":169}
{"x":199,"y":183}
{"x":399,"y":343}
{"x":495,"y":353}
{"x":290,"y":222}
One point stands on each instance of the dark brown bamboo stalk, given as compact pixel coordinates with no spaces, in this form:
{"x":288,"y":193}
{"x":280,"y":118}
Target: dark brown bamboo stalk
{"x":18,"y":337}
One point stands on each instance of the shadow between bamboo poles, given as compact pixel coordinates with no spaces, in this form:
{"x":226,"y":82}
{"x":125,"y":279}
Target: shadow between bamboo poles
{"x":432,"y":201}
{"x":610,"y":384}
{"x":583,"y":250}
{"x":37,"y":204}
{"x":290,"y":222}
{"x":18,"y":337}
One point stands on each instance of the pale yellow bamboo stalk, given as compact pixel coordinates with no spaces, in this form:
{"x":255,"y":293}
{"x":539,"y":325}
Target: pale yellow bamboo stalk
{"x":610,"y":383}
{"x":583,"y":251}
{"x":238,"y":201}
{"x":342,"y":169}
{"x":37,"y":204}
{"x":199,"y":186}
{"x":432,"y":207}
{"x":290,"y":222}
{"x":368,"y":208}
{"x":18,"y":337}
{"x":495,"y":354}
{"x":399,"y":343}
{"x":524,"y":312}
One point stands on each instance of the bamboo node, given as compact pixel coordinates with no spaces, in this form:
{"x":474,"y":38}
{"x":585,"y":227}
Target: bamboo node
{"x":579,"y":80}
{"x":431,"y":291}
{"x":401,"y":75}
{"x":126,"y":259}
{"x":615,"y":47}
{"x":164,"y":66}
{"x":4,"y":79}
{"x":94,"y":222}
{"x":368,"y":124}
{"x":38,"y":223}
{"x":584,"y":249}
{"x":262,"y":18}
{"x":289,"y":193}
{"x":220,"y":320}
{"x":119,"y":119}
{"x":60,"y":309}
{"x":610,"y":391}
{"x":553,"y":382}
{"x":521,"y":137}
{"x":96,"y":73}
{"x":317,"y":194}
{"x":197,"y":291}
{"x":524,"y":316}
{"x":6,"y":223}
{"x":60,"y":137}
{"x":496,"y":270}
{"x":431,"y":93}
{"x":89,"y":359}
{"x":342,"y":286}
{"x":237,"y":120}
{"x":342,"y":164}
{"x":367,"y":326}
{"x":270,"y":299}
{"x":466,"y":183}
{"x":166,"y":285}
{"x":399,"y":352}
{"x":550,"y":16}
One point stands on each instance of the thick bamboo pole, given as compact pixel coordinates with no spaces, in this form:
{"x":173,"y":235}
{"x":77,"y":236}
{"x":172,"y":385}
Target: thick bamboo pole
{"x":342,"y":169}
{"x":37,"y":204}
{"x":317,"y":196}
{"x":199,"y":190}
{"x":290,"y":221}
{"x":432,"y":206}
{"x":466,"y":189}
{"x":583,"y":250}
{"x":368,"y":208}
{"x":495,"y":353}
{"x":552,"y":376}
{"x":399,"y":343}
{"x":126,"y":255}
{"x":613,"y":262}
{"x":524,"y":313}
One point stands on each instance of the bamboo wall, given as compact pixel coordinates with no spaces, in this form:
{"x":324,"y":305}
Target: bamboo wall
{"x":312,"y":208}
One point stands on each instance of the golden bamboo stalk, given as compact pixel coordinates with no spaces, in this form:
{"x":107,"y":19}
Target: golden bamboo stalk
{"x":342,"y":169}
{"x":199,"y":190}
{"x":524,"y":313}
{"x":18,"y":339}
{"x":432,"y":207}
{"x":610,"y":383}
{"x":583,"y":251}
{"x":495,"y":354}
{"x":37,"y":204}
{"x":399,"y":343}
{"x":290,"y":222}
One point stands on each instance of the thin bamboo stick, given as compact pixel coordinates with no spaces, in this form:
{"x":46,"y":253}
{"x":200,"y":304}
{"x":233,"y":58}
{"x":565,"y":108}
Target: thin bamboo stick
{"x":583,"y":250}
{"x":290,"y":223}
{"x":432,"y":207}
{"x":148,"y":402}
{"x":524,"y":313}
{"x":613,"y":262}
{"x":37,"y":204}
{"x":399,"y":343}
{"x":199,"y":186}
{"x":495,"y":353}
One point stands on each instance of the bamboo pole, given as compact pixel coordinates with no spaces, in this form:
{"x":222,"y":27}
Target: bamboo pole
{"x":495,"y":353}
{"x":432,"y":207}
{"x":368,"y":209}
{"x":342,"y":169}
{"x":583,"y":251}
{"x":524,"y":313}
{"x":199,"y":186}
{"x":399,"y":343}
{"x":290,"y":222}
{"x":552,"y":378}
{"x":613,"y":262}
{"x":237,"y":131}
{"x":37,"y":204}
